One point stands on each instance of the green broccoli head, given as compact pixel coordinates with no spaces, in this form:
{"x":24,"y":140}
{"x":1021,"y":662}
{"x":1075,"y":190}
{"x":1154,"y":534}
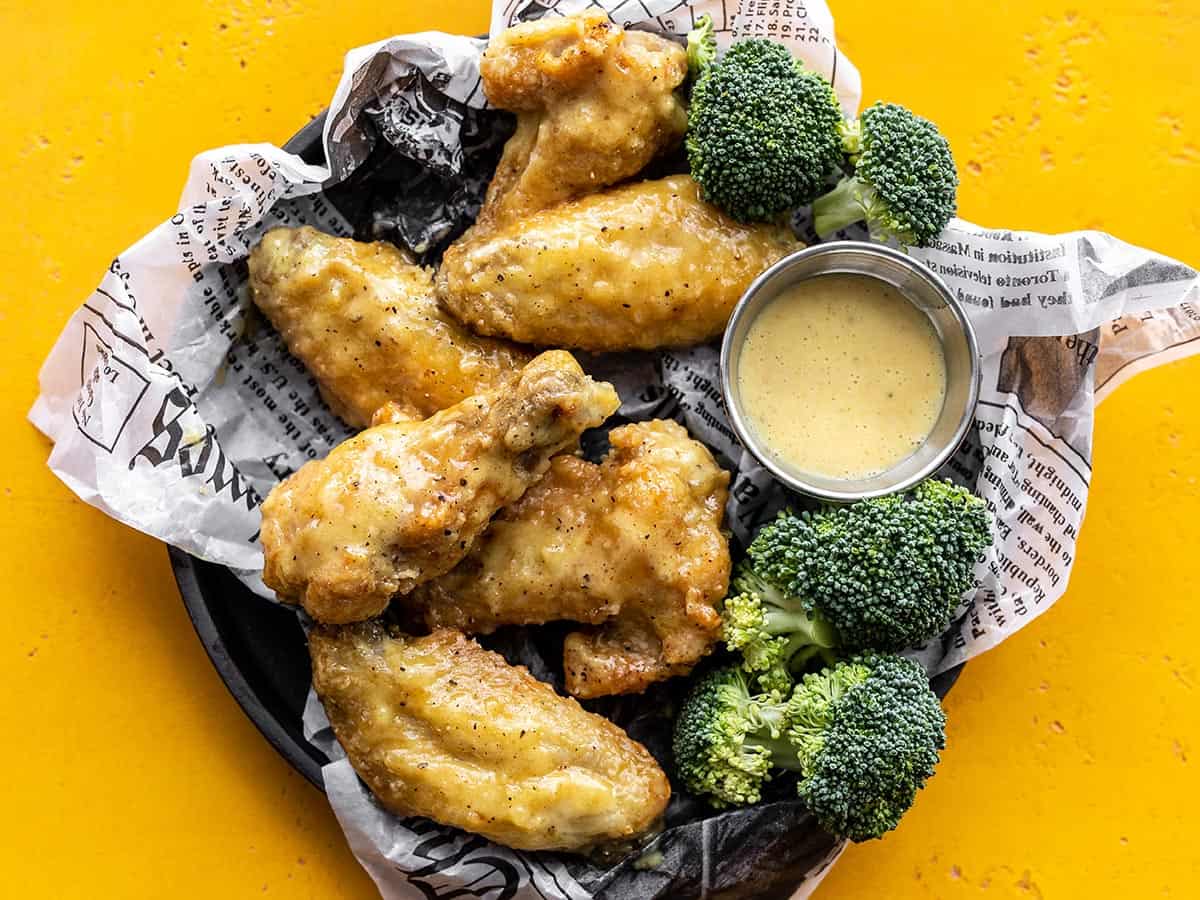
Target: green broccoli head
{"x":867,"y":734}
{"x":727,"y":740}
{"x":810,"y":709}
{"x":701,"y":45}
{"x":863,"y":736}
{"x":886,"y":573}
{"x":904,"y":183}
{"x":763,"y":131}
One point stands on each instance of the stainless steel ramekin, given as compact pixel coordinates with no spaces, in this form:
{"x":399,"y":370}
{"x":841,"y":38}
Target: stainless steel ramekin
{"x":924,"y":290}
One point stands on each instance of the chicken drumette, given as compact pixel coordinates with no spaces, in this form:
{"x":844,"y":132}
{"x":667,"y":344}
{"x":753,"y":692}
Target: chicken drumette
{"x":632,"y":545}
{"x":595,"y":103}
{"x":401,"y":503}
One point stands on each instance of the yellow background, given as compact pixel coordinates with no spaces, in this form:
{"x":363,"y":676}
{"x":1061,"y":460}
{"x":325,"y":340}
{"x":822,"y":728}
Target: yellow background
{"x":1071,"y":769}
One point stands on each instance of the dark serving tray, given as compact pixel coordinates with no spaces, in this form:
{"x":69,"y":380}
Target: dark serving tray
{"x":257,"y":647}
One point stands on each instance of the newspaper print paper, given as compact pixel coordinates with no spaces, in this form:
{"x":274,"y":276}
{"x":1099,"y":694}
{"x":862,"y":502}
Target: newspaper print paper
{"x":174,"y":408}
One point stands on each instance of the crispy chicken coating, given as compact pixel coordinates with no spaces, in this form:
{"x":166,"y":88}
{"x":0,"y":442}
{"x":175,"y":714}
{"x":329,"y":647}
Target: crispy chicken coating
{"x":439,"y":727}
{"x":626,"y":655}
{"x":401,"y":503}
{"x":637,"y":267}
{"x":632,"y":545}
{"x":365,"y":322}
{"x":595,"y":103}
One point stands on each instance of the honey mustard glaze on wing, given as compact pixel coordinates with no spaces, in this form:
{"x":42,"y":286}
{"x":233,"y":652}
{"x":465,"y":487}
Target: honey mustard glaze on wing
{"x":842,"y":376}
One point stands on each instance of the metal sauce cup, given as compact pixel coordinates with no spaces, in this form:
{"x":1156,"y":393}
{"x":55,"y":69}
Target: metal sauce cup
{"x":921,"y":287}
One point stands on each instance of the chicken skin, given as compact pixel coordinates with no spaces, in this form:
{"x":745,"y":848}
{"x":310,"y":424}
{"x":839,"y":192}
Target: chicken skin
{"x":401,"y":503}
{"x":636,"y":267}
{"x":595,"y":103}
{"x":632,"y":545}
{"x":438,"y":727}
{"x":365,"y":322}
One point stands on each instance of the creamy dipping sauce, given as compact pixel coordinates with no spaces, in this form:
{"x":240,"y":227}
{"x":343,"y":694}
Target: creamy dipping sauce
{"x":841,"y":376}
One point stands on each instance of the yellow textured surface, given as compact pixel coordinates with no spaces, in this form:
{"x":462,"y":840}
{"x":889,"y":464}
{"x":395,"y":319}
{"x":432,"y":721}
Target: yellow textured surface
{"x":1073,"y":748}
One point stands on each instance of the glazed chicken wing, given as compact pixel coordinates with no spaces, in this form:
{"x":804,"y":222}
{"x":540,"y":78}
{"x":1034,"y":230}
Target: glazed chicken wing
{"x":636,"y":267}
{"x":594,"y":105}
{"x":632,"y":545}
{"x":439,"y":727}
{"x":401,"y":503}
{"x":365,"y":322}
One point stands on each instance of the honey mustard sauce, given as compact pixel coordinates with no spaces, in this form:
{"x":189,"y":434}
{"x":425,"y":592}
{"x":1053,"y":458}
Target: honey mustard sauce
{"x":842,"y":376}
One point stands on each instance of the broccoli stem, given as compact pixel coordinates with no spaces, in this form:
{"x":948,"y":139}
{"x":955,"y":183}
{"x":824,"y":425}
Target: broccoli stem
{"x":803,"y":629}
{"x":766,"y":716}
{"x":843,"y":206}
{"x":804,"y":655}
{"x":782,"y":751}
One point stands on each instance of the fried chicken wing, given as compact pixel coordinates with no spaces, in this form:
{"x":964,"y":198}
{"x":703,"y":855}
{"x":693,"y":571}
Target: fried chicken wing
{"x":401,"y":503}
{"x":636,"y":267}
{"x":632,"y":545}
{"x":625,"y":655}
{"x":439,"y":727}
{"x":595,"y":103}
{"x":365,"y":322}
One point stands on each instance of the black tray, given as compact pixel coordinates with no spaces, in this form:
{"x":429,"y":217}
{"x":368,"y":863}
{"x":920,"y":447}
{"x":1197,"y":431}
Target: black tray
{"x":258,"y":647}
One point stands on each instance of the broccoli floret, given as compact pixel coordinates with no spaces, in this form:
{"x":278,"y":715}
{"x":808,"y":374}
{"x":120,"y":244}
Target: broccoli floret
{"x":867,"y":734}
{"x":727,"y":740}
{"x":763,"y":131}
{"x":701,"y":45}
{"x":776,"y":632}
{"x":880,"y":574}
{"x":904,"y":183}
{"x":863,"y":736}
